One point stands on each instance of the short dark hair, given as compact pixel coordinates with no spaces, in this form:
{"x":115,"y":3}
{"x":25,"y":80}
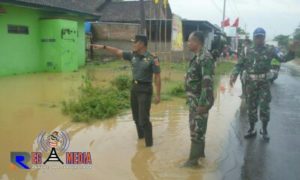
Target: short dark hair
{"x":141,"y":38}
{"x":199,"y":36}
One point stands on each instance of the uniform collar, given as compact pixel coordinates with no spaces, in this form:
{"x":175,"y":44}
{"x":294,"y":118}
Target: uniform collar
{"x":259,"y":47}
{"x":200,"y":53}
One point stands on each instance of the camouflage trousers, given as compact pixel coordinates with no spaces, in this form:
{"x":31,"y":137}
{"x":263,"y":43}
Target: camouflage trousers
{"x":258,"y":100}
{"x":197,"y":121}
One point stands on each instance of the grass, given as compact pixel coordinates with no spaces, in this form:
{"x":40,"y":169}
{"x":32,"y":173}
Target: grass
{"x":98,"y":103}
{"x":115,"y":64}
{"x":223,"y":68}
{"x":111,"y":96}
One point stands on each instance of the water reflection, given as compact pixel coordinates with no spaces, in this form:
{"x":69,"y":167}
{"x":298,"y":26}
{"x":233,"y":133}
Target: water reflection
{"x":31,"y":103}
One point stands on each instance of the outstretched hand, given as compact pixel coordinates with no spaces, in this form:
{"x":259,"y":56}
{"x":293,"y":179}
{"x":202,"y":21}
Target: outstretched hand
{"x":97,"y":46}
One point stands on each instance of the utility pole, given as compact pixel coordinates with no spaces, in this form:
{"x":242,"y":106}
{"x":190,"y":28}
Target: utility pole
{"x":143,"y":21}
{"x":224,"y":10}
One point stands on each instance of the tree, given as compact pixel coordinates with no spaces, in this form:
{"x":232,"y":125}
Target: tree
{"x":297,"y":38}
{"x":241,"y":31}
{"x":297,"y":34}
{"x":283,"y":40}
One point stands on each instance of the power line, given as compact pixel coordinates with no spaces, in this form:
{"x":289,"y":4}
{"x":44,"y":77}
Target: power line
{"x":216,"y":6}
{"x":235,"y":6}
{"x":232,"y":8}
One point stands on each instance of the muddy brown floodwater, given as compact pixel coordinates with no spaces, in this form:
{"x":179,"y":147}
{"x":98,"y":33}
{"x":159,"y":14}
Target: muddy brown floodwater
{"x":31,"y":103}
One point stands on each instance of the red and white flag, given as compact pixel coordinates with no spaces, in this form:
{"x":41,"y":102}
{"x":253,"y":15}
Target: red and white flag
{"x":236,"y":23}
{"x":225,"y":23}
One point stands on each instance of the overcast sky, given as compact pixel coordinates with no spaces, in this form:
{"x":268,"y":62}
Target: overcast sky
{"x":275,"y":16}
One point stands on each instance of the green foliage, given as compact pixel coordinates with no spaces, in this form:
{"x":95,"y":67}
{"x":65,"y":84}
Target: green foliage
{"x":223,"y":68}
{"x":178,"y":66}
{"x":122,"y":82}
{"x":241,"y":31}
{"x":283,"y":40}
{"x":177,"y":90}
{"x":97,"y":103}
{"x":297,"y":38}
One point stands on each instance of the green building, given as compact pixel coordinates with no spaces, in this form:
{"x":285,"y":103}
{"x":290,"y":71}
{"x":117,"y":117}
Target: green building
{"x":39,"y":35}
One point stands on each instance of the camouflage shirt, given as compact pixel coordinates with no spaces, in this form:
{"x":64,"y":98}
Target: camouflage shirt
{"x":199,"y":78}
{"x":257,"y":60}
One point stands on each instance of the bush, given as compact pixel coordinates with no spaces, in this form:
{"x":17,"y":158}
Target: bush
{"x":96,"y":103}
{"x":177,"y":90}
{"x":122,"y":82}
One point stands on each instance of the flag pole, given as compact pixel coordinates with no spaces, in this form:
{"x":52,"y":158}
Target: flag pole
{"x":224,"y":9}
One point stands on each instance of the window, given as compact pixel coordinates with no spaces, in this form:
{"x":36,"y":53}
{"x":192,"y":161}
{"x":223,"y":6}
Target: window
{"x":16,"y":29}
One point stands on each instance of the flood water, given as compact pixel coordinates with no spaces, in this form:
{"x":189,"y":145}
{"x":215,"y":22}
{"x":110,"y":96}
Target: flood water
{"x":31,"y":103}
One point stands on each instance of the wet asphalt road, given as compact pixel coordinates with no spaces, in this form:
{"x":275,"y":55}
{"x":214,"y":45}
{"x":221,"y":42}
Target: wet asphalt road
{"x":278,"y":159}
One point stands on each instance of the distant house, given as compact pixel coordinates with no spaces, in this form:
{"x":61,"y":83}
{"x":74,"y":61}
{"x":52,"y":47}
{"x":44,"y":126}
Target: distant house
{"x":43,"y":35}
{"x":120,"y":21}
{"x":210,"y":30}
{"x":126,"y":14}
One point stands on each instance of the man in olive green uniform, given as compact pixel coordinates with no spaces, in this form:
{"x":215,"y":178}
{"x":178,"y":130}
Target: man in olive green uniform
{"x":144,"y":66}
{"x":199,"y":89}
{"x":257,"y":64}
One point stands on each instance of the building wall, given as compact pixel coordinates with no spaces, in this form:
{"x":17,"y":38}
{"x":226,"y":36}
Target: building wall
{"x":19,"y":53}
{"x":81,"y":43}
{"x":119,"y":35}
{"x":114,"y":31}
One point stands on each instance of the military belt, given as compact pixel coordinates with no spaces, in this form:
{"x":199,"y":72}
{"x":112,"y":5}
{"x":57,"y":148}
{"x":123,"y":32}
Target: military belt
{"x":258,"y":77}
{"x":141,"y":82}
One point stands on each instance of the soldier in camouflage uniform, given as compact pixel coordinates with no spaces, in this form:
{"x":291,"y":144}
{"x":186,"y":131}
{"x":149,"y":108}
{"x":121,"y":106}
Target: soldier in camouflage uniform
{"x":199,"y":89}
{"x":257,"y":64}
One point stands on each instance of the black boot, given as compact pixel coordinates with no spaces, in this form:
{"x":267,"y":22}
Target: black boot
{"x":251,"y":133}
{"x":140,"y":131}
{"x":264,"y":131}
{"x":148,"y":136}
{"x":197,"y":150}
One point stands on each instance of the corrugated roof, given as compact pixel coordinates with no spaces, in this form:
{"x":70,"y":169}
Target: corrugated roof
{"x":77,"y":6}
